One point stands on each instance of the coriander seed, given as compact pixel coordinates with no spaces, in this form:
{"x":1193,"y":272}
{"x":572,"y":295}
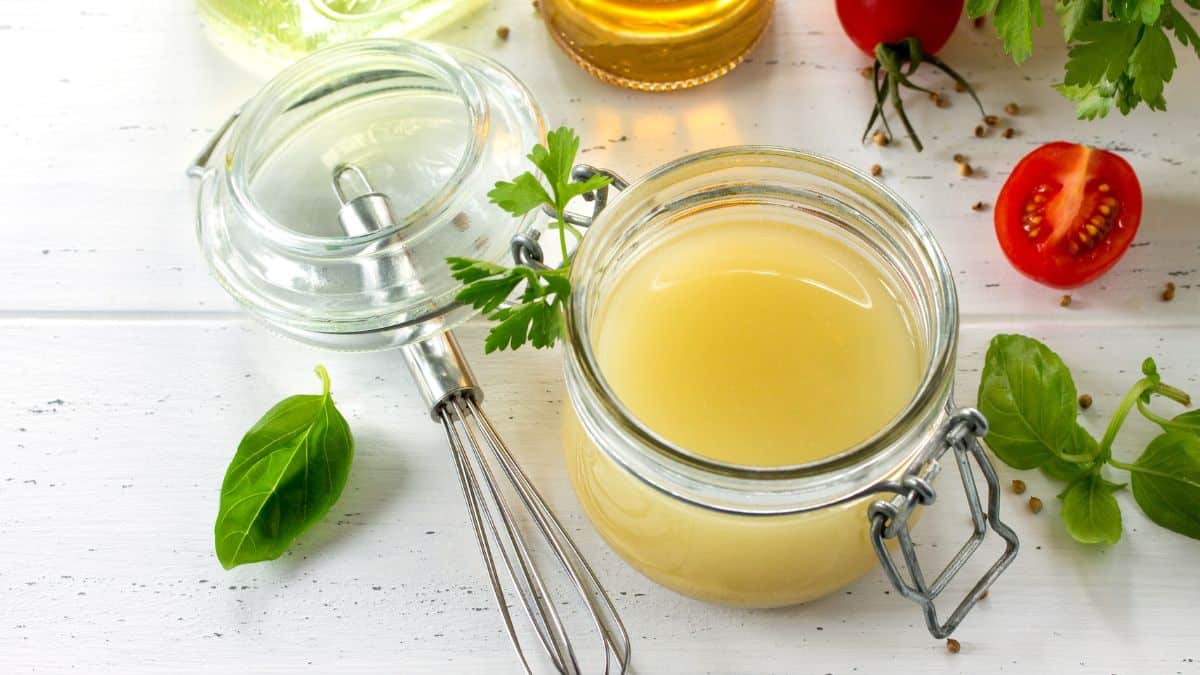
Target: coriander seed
{"x":1035,"y":505}
{"x":876,"y":169}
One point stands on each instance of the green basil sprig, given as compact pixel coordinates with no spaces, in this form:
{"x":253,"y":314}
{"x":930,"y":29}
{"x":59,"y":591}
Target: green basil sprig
{"x":288,"y":471}
{"x":1029,"y":398}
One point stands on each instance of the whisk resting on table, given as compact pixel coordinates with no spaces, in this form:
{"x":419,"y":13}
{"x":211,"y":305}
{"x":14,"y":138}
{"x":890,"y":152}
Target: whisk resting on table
{"x":499,"y":496}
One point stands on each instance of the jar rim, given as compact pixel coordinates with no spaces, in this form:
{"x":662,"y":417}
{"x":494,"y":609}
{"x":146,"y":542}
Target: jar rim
{"x":261,"y":111}
{"x":931,"y":394}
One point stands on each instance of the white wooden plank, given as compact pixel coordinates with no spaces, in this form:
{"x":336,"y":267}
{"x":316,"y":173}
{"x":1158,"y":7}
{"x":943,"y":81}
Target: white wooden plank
{"x":117,"y":433}
{"x":93,"y":187}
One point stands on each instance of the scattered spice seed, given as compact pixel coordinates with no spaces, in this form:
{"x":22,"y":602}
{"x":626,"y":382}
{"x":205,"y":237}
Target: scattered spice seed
{"x":503,"y":32}
{"x":1012,"y":109}
{"x":938,"y":99}
{"x":1064,"y":301}
{"x":1018,"y":487}
{"x":958,"y":86}
{"x":1168,"y":293}
{"x":978,"y":22}
{"x":980,"y":131}
{"x":983,"y":595}
{"x":1035,"y":505}
{"x":953,"y":645}
{"x":965,"y":169}
{"x":876,"y":169}
{"x":959,"y":158}
{"x":1008,"y":133}
{"x":991,"y":120}
{"x":1085,"y":401}
{"x":978,"y":206}
{"x":867,"y":73}
{"x":881,"y":138}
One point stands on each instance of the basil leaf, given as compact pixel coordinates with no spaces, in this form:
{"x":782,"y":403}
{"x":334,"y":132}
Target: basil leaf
{"x":1090,"y":511}
{"x":1186,"y":422}
{"x":288,"y":470}
{"x":1028,"y":397}
{"x":1166,"y":482}
{"x":1068,"y":472}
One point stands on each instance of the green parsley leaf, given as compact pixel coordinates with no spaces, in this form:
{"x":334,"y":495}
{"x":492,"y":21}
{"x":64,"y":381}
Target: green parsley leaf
{"x":1092,"y":100}
{"x":1120,"y":60}
{"x":1015,"y":21}
{"x":1144,"y":11}
{"x":1151,"y":66}
{"x":1184,"y":32}
{"x":1075,"y":14}
{"x":521,"y":196}
{"x":539,"y":318}
{"x":1102,"y":54}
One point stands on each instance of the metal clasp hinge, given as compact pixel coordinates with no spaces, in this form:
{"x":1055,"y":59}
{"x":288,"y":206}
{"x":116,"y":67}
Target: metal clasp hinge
{"x":525,"y":247}
{"x":889,"y":520}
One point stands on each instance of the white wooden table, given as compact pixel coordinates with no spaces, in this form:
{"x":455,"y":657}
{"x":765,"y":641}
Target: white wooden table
{"x":128,"y":377}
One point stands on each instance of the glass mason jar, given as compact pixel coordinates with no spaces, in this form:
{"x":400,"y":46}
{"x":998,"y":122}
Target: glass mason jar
{"x":753,"y":536}
{"x":657,"y":45}
{"x":264,"y":34}
{"x":345,"y":183}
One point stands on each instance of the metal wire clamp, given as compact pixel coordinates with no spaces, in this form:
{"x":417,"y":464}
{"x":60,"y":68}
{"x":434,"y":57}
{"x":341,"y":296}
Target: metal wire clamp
{"x":889,"y":520}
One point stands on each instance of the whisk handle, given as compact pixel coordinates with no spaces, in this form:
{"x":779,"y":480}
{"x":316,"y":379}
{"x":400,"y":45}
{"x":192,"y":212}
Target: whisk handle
{"x":441,"y":372}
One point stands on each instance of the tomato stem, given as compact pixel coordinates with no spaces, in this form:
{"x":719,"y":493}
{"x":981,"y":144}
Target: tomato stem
{"x":894,"y":63}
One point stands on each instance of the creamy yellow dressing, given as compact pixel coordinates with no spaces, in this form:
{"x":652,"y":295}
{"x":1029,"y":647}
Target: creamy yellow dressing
{"x":751,"y":342}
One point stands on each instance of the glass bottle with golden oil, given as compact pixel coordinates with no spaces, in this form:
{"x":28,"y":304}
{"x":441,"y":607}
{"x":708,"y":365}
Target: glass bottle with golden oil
{"x":657,"y":45}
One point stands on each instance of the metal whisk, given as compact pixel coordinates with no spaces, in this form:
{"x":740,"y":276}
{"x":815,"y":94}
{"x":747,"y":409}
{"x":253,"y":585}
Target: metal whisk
{"x":499,"y":495}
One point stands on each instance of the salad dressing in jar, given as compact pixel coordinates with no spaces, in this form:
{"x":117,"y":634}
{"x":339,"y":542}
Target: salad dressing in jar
{"x":759,"y":371}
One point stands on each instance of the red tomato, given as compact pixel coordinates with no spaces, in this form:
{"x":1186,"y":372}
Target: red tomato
{"x":869,"y":22}
{"x":1068,"y":213}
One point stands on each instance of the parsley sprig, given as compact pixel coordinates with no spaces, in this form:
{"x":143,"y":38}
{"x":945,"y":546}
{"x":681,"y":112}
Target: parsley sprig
{"x":539,"y":317}
{"x":1120,"y":52}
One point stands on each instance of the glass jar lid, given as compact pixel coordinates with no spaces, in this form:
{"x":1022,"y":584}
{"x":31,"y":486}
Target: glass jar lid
{"x":349,"y":179}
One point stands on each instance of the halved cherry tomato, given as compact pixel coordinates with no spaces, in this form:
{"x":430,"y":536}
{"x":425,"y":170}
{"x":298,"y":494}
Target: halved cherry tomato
{"x":1067,"y":213}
